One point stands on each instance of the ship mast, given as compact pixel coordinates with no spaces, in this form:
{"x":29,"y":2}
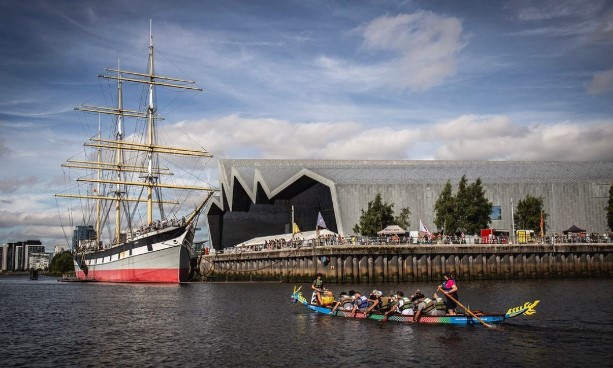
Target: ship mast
{"x":150,"y":111}
{"x":118,"y":159}
{"x":99,"y":172}
{"x":151,"y":173}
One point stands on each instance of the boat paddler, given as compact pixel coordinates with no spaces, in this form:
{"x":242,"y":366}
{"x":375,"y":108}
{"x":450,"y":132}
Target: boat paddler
{"x":449,"y":288}
{"x":318,"y":287}
{"x":360,"y":303}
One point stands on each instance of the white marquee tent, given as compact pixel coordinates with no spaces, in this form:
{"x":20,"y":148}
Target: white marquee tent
{"x":392,"y":229}
{"x":304,"y":235}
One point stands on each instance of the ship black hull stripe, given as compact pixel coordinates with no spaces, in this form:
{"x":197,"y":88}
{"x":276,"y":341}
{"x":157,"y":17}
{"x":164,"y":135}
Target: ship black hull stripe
{"x":147,"y":241}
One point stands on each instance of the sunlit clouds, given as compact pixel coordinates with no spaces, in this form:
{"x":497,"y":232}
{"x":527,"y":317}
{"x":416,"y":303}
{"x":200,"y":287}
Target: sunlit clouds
{"x":385,"y":80}
{"x":419,"y":49}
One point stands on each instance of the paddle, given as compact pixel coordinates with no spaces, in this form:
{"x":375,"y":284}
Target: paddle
{"x":466,"y":309}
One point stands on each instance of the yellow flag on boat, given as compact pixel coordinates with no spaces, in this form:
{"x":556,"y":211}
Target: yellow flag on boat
{"x":295,"y":230}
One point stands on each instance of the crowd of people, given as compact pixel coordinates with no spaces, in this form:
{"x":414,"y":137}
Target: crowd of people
{"x":337,"y":240}
{"x":330,"y":240}
{"x":416,"y":305}
{"x":580,"y":238}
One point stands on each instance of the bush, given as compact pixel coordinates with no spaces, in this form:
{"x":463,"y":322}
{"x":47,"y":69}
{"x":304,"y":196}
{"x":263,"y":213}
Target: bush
{"x":61,"y":263}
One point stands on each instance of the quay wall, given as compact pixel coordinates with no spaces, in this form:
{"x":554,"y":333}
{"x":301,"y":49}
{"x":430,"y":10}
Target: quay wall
{"x":406,"y":263}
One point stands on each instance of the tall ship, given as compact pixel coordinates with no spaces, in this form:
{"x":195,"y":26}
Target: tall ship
{"x":133,"y":195}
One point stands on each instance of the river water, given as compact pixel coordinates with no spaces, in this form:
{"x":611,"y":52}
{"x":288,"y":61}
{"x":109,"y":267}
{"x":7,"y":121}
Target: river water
{"x":46,"y":323}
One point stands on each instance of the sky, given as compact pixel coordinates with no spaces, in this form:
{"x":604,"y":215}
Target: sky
{"x":392,"y":80}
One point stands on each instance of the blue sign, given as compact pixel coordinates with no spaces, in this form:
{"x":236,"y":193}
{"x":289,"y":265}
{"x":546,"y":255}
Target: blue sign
{"x":496,"y":213}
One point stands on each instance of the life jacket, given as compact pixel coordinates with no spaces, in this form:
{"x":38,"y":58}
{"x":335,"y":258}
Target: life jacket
{"x":385,"y":302}
{"x":362,"y":302}
{"x":406,"y":304}
{"x":444,"y":286}
{"x":327,"y":300}
{"x":346,"y":302}
{"x":430,"y":305}
{"x":439,"y":304}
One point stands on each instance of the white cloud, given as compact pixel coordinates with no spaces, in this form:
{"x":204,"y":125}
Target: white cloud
{"x":469,"y":126}
{"x":564,"y":141}
{"x":584,"y":21}
{"x":12,"y":184}
{"x":476,"y":137}
{"x":419,"y":52}
{"x":551,"y":9}
{"x":601,"y":82}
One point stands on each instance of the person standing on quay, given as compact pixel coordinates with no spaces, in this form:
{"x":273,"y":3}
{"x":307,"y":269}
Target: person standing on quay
{"x":450,"y":289}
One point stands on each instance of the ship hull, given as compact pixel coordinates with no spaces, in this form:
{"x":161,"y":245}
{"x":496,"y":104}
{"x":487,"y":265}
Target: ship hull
{"x":164,"y":257}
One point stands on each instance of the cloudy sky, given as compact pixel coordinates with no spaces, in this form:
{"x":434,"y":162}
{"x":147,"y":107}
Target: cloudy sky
{"x":420,"y":80}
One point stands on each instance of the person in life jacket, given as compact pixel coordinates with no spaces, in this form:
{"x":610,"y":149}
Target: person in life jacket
{"x":385,"y":302}
{"x":401,"y":305}
{"x":360,"y":303}
{"x":327,"y":298}
{"x":318,"y":289}
{"x":345,"y":302}
{"x":374,"y":301}
{"x":450,"y":289}
{"x":439,"y":305}
{"x":423,"y":305}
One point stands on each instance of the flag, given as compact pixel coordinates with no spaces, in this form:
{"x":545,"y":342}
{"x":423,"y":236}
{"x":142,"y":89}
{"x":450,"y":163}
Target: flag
{"x":423,"y":228}
{"x":320,"y":221}
{"x":295,"y":229}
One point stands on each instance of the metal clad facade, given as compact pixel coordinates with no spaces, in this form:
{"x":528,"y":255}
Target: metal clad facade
{"x":573,"y":192}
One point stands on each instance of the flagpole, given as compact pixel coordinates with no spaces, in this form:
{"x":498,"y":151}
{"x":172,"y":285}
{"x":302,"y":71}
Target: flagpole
{"x":315,"y":242}
{"x":292,"y":225}
{"x":542,"y":232}
{"x":512,"y":221}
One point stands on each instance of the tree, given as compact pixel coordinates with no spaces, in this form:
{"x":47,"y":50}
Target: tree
{"x":478,"y":209}
{"x":61,"y":263}
{"x":528,"y":214}
{"x":461,"y":202}
{"x":444,"y":209}
{"x":468,"y":211}
{"x":402,"y":220}
{"x":610,"y":209}
{"x":379,"y":215}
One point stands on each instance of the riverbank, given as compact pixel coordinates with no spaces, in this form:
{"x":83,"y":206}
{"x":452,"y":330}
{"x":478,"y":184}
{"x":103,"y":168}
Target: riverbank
{"x":405,"y":263}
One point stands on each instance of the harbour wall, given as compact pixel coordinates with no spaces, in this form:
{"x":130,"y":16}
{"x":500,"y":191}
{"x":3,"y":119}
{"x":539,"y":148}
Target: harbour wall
{"x":406,"y":263}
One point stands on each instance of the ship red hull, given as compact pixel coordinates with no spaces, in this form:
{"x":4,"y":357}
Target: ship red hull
{"x":136,"y":275}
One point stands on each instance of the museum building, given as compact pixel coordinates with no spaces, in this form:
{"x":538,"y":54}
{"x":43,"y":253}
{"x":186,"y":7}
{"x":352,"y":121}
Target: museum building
{"x":259,"y":197}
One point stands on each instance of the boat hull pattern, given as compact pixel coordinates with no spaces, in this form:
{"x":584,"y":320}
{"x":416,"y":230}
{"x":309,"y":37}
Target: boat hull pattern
{"x":165,"y":256}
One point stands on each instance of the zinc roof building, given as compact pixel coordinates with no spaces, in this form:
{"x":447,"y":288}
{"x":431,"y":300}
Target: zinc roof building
{"x":257,"y":196}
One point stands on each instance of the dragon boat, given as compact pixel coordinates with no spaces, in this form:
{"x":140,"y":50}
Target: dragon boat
{"x":527,"y":309}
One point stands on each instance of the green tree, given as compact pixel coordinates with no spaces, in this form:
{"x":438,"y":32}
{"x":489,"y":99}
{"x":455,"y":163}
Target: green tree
{"x":610,"y":209}
{"x":468,"y":211}
{"x":379,"y":215}
{"x":61,"y":263}
{"x":478,"y":209}
{"x":444,"y":211}
{"x":528,"y":214}
{"x":402,"y":219}
{"x":462,"y":201}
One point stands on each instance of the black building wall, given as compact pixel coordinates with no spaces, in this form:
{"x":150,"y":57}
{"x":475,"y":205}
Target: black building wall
{"x":273,"y":216}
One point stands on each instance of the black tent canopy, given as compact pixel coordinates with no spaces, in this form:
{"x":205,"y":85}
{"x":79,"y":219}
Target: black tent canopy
{"x":574,"y":229}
